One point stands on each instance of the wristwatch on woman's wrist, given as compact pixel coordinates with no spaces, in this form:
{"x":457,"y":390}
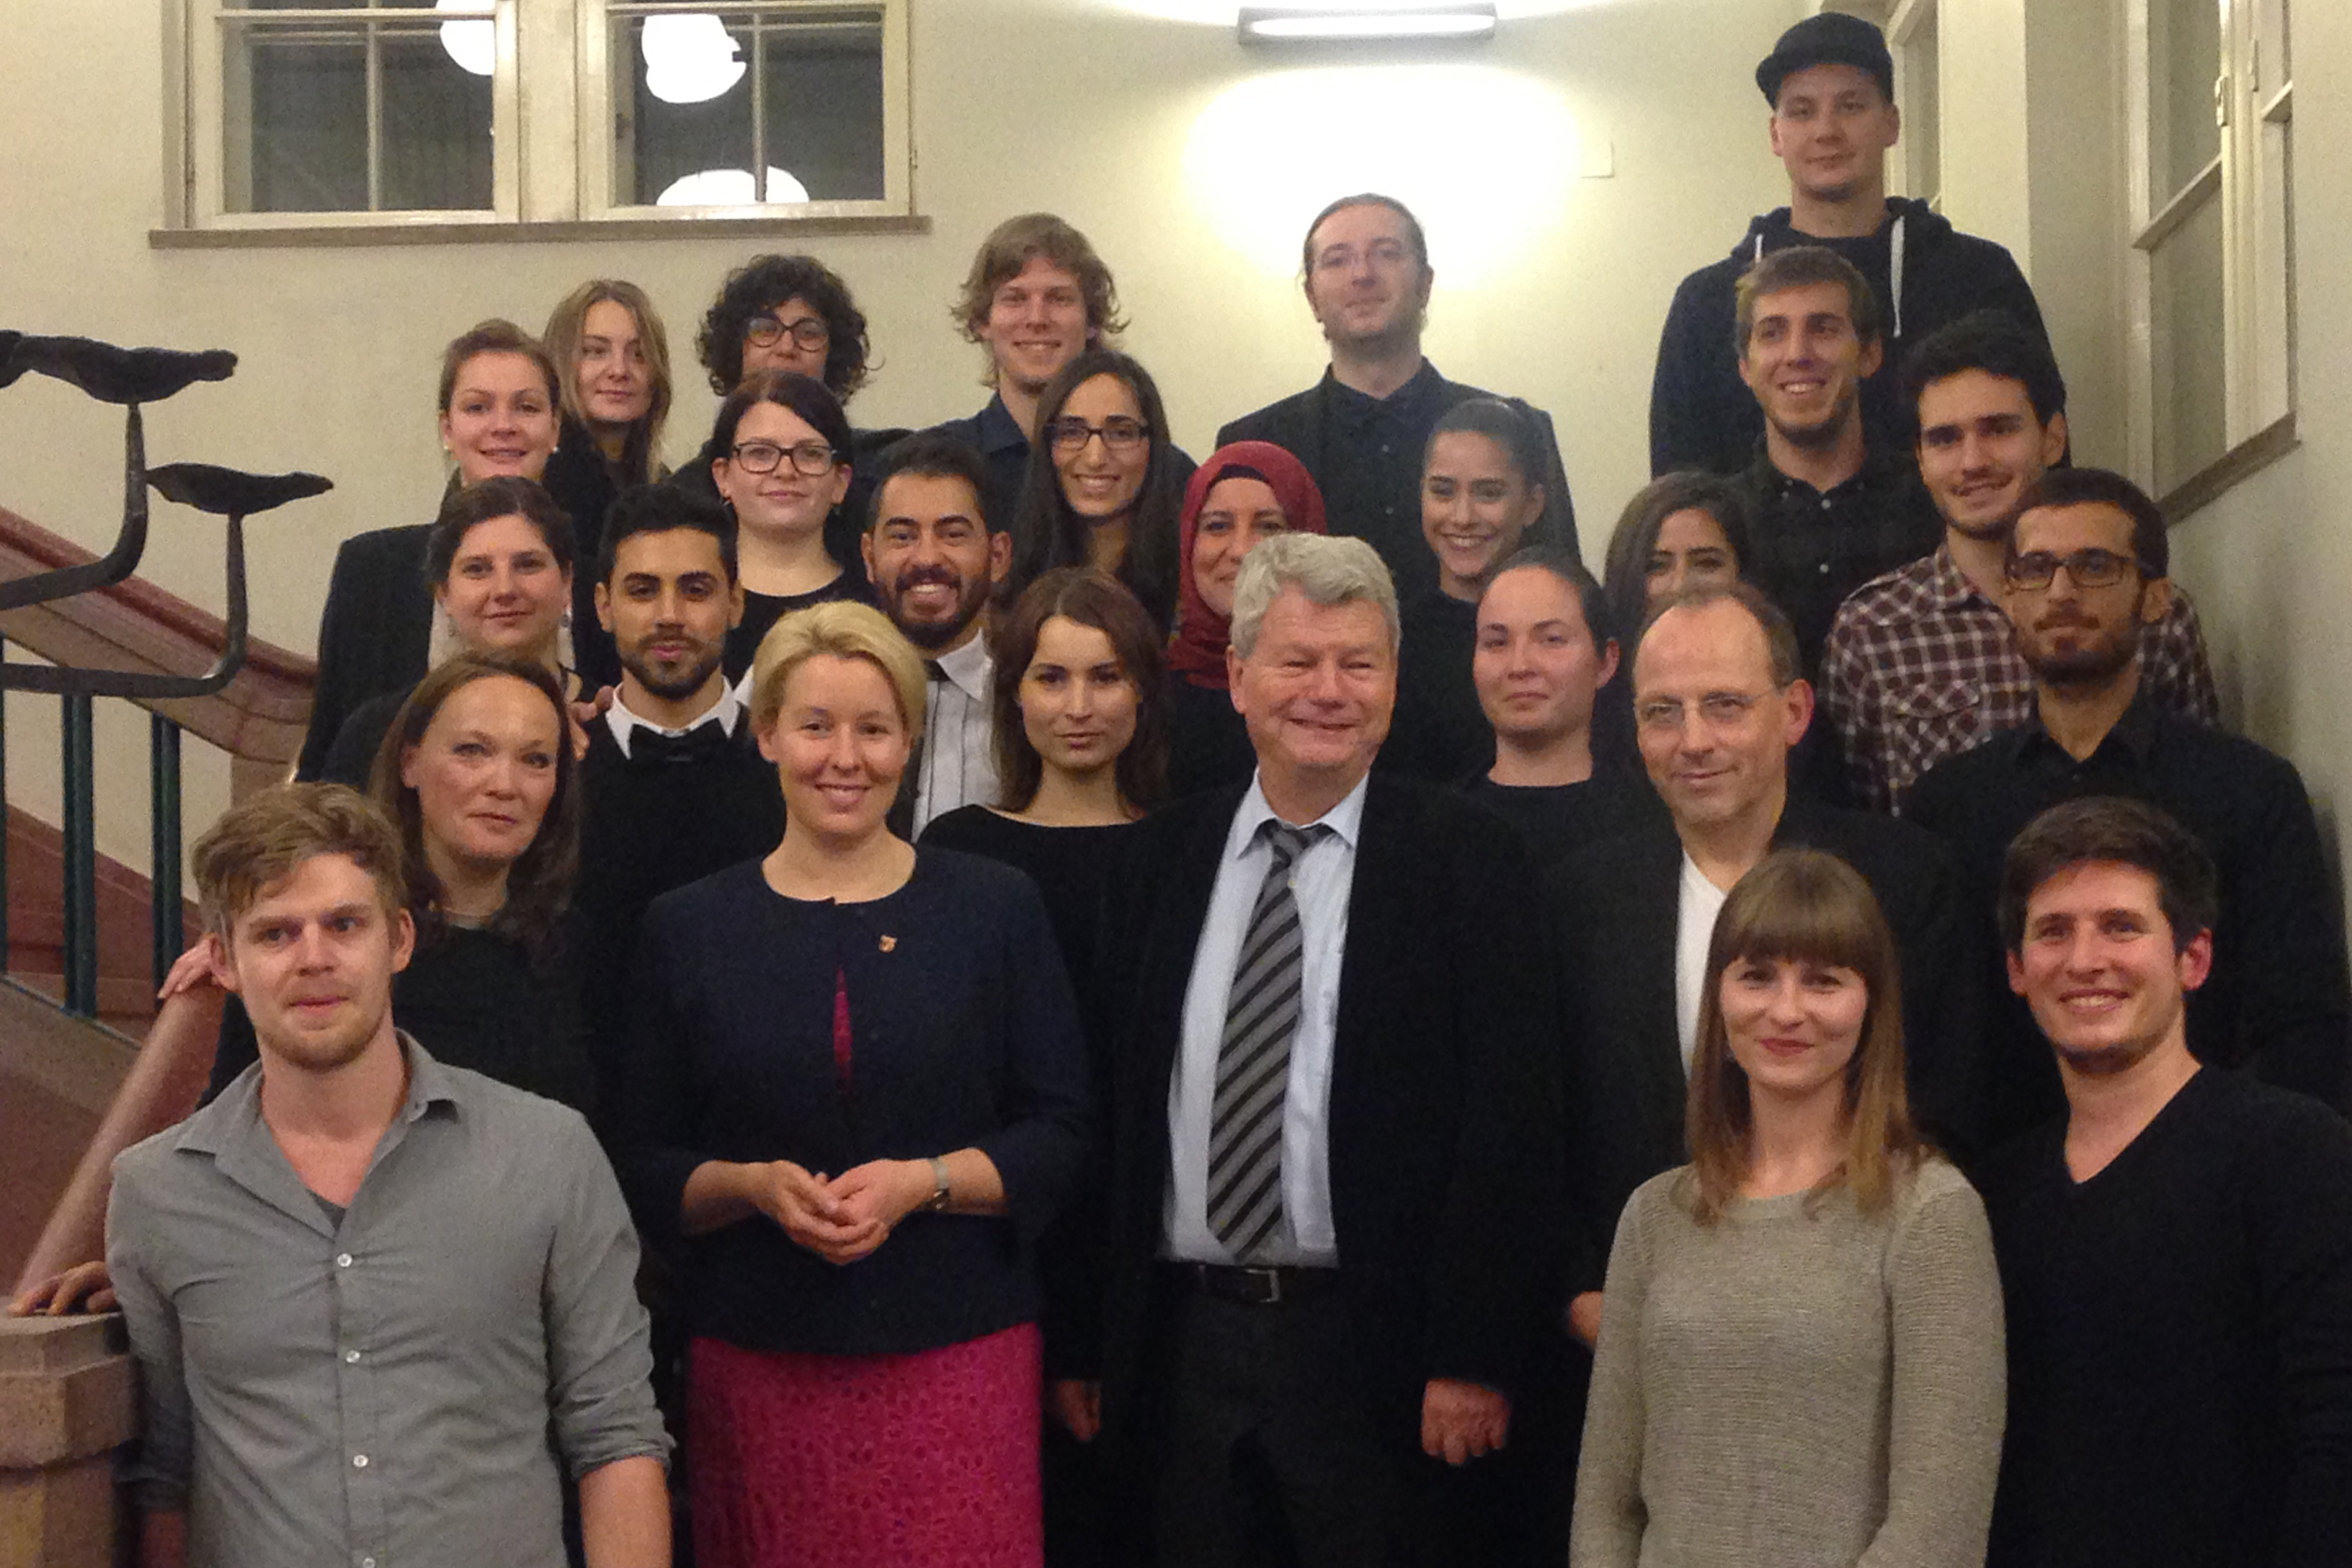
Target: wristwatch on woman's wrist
{"x":940,"y":1188}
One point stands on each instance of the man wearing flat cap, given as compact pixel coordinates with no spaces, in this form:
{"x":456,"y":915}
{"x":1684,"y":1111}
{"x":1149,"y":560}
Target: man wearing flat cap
{"x":1830,"y":83}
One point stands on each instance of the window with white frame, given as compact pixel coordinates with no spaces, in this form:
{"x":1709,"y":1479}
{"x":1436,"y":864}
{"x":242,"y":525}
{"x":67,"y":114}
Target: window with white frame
{"x":358,"y":112}
{"x":2212,"y":86}
{"x":1918,"y":72}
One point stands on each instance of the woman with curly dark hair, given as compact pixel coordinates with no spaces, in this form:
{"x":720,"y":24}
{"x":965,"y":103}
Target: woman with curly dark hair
{"x":793,"y":315}
{"x":785,"y":313}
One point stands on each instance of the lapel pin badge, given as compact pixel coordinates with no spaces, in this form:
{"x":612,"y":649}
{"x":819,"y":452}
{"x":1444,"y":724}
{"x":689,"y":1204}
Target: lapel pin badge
{"x":889,"y":944}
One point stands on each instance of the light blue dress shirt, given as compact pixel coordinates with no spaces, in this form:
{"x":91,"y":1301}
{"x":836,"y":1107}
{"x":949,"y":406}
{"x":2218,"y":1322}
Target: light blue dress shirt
{"x":1321,"y":879}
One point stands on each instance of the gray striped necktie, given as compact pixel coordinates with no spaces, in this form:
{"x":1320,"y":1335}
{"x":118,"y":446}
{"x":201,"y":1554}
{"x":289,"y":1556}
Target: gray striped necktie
{"x":1254,"y":1061}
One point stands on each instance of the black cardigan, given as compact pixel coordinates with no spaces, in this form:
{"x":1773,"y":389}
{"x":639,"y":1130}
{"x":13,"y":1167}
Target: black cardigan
{"x":964,"y":1034}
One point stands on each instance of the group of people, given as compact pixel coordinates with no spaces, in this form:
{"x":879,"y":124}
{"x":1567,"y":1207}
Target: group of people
{"x":1121,"y":1011}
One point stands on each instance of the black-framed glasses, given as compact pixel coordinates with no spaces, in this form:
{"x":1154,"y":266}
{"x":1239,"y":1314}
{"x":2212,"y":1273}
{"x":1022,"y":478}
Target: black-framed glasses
{"x":1119,"y":433}
{"x":1718,"y":708}
{"x":2037,"y":569}
{"x":809,"y":331}
{"x":814,"y":458}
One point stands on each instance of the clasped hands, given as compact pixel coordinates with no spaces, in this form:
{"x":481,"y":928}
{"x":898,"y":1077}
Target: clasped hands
{"x":844,"y":1218}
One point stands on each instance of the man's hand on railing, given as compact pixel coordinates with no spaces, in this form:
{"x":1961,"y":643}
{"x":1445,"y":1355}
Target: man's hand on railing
{"x":84,"y":1288}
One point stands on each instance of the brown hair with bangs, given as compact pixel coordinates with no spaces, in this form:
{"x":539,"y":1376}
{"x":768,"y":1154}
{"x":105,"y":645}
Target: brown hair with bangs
{"x":1093,"y":599}
{"x":1808,"y":907}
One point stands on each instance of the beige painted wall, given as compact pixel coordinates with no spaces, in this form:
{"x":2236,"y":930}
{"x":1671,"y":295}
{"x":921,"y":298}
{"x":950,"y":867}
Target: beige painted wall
{"x":1191,"y":162}
{"x":2270,"y":561}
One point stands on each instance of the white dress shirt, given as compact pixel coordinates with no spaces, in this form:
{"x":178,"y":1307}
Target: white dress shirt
{"x":623,"y":722}
{"x":959,"y":760}
{"x":1321,"y":879}
{"x":1695,"y":913}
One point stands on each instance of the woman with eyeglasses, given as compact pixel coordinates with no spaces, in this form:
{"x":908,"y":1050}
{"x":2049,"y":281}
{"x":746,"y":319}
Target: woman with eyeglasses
{"x":1800,"y":1356}
{"x":789,"y":313}
{"x":1105,"y":486}
{"x":782,"y":465}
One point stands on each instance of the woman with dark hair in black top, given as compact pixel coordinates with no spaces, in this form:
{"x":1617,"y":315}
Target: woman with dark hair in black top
{"x":1105,"y":485}
{"x":1081,"y":741}
{"x":499,"y":562}
{"x":478,"y":773}
{"x":781,"y":463}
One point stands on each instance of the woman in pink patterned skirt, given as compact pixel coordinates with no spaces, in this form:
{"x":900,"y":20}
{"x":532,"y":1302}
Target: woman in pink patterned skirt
{"x":857,"y":1092}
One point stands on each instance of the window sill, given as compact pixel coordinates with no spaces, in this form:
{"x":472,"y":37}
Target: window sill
{"x":330,"y":235}
{"x":2241,"y":462}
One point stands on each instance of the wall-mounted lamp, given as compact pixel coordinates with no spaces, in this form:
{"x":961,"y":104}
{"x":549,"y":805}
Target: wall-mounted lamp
{"x":1296,"y":25}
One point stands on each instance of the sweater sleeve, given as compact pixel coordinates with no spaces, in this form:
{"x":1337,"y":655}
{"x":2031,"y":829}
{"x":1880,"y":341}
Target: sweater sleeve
{"x":1848,"y":702}
{"x":652,"y":1120}
{"x":1611,"y":1518}
{"x":2294,"y":1016}
{"x":1688,"y":388}
{"x":1048,"y":1123}
{"x":2173,"y":664}
{"x":1949,"y":1381}
{"x":2299,"y":1202}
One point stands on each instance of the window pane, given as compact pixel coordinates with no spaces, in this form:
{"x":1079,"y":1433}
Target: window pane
{"x":437,"y":128}
{"x":690,"y":111}
{"x":2184,"y":55}
{"x":296,"y":119}
{"x":2186,"y":313}
{"x":824,"y":109}
{"x":728,"y":108}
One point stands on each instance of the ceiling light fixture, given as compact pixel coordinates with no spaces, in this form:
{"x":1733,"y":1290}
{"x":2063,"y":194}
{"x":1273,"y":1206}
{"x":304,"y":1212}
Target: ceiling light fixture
{"x":1295,"y":25}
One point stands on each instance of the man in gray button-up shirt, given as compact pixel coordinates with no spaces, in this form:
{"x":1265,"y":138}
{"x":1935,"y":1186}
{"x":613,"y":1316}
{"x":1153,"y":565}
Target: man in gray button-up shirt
{"x":363,"y":1288}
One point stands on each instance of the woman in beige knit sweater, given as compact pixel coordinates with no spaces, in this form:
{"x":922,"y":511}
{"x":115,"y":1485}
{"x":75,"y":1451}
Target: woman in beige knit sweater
{"x":1800,"y":1360}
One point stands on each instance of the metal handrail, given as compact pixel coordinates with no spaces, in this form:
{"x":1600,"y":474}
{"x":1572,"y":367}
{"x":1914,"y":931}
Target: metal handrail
{"x":129,"y":376}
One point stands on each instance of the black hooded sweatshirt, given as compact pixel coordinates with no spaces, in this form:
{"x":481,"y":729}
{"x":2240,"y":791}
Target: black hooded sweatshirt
{"x":1927,"y":273}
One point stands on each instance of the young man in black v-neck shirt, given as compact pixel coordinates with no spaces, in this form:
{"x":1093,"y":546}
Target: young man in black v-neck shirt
{"x":2176,"y":1252}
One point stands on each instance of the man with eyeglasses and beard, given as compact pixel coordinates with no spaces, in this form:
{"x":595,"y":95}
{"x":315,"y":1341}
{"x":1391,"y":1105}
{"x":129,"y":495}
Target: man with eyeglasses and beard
{"x":2085,"y":573}
{"x":935,"y":554}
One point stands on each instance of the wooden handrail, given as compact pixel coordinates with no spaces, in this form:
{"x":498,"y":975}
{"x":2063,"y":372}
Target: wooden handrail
{"x":258,"y":719}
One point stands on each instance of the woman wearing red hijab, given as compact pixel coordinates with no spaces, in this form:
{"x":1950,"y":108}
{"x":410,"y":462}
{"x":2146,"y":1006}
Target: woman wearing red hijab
{"x":1243,"y":493}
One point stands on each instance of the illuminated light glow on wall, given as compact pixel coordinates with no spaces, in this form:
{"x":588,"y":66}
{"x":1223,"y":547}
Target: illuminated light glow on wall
{"x":474,"y":44}
{"x":1484,"y":156}
{"x":690,"y":58}
{"x":1366,"y":19}
{"x":729,"y":188}
{"x":1224,"y":13}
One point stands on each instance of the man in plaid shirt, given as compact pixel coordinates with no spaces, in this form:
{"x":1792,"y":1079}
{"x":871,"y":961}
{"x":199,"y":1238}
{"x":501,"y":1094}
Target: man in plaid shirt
{"x":1921,"y":663}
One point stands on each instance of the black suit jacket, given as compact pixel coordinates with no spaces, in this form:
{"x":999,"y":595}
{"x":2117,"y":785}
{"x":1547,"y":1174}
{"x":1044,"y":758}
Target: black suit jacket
{"x":1443,"y":1138}
{"x":1615,"y":906}
{"x":374,"y":635}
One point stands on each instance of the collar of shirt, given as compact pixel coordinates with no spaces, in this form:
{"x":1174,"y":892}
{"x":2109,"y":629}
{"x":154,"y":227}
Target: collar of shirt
{"x":1879,"y":471}
{"x":1418,"y":393}
{"x":2134,"y":733}
{"x":243,"y":1149}
{"x":1346,"y":820}
{"x":623,"y":722}
{"x":967,"y":668}
{"x":1949,"y":588}
{"x":997,"y":430}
